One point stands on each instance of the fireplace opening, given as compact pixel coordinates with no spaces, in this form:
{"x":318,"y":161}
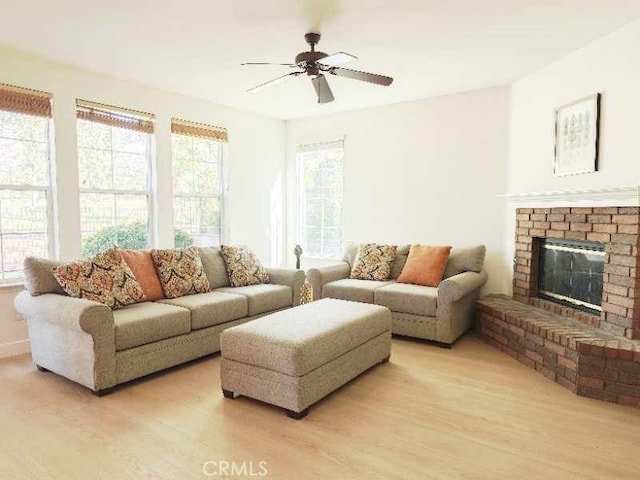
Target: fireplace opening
{"x":571,"y":273}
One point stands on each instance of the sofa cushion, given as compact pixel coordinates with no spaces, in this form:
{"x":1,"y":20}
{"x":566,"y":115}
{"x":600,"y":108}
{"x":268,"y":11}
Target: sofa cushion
{"x":401,"y":259}
{"x":351,"y":249}
{"x":373,"y":262}
{"x":148,"y":322}
{"x":349,"y":253}
{"x":264,"y":297}
{"x":141,"y":264}
{"x":425,"y":265}
{"x":180,"y":271}
{"x":469,"y":259}
{"x":38,"y":276}
{"x":211,"y":308}
{"x":214,"y":267}
{"x":407,"y":298}
{"x":243,"y":266}
{"x":104,"y":278}
{"x":351,"y":289}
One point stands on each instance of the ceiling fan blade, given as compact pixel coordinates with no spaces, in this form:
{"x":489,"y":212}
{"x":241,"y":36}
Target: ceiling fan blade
{"x":336,"y":59}
{"x":267,"y":63}
{"x":273,"y":82}
{"x":322,"y":89}
{"x":363,"y":76}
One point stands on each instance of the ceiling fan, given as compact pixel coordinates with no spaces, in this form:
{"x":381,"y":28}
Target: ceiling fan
{"x":317,"y":65}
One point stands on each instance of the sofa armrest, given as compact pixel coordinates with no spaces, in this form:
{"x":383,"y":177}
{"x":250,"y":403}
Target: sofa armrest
{"x":318,"y":277}
{"x":457,"y":296}
{"x":454,"y":288}
{"x":67,"y":312}
{"x":289,"y":277}
{"x":72,"y":337}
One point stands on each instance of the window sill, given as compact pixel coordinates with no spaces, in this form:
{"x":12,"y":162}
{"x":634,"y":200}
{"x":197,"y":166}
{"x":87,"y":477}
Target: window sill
{"x":12,"y":285}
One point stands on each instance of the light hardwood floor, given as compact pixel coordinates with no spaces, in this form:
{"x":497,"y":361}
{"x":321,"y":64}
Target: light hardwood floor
{"x":470,"y":412}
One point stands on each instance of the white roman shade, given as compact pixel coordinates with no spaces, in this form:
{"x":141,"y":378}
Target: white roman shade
{"x":319,"y":146}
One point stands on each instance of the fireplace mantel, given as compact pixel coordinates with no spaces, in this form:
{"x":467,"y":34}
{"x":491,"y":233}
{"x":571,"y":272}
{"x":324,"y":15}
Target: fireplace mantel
{"x":623,"y":196}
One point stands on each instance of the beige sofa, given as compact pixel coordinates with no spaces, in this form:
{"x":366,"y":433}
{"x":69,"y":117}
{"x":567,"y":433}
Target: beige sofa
{"x":440,"y":314}
{"x":99,"y":348}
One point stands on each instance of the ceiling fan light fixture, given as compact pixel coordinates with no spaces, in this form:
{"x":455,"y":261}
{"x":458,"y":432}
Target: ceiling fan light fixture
{"x":315,"y":63}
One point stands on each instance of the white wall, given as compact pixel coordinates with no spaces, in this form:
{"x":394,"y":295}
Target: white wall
{"x":255,"y":161}
{"x":419,"y":172}
{"x":611,"y":66}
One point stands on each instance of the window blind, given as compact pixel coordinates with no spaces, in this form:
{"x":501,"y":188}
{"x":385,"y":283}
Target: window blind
{"x":115,"y":116}
{"x":193,"y":129}
{"x":24,"y":100}
{"x":318,"y":146}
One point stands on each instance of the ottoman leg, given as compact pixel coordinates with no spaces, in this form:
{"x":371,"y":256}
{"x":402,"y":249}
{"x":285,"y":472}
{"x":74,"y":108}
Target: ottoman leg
{"x":298,"y":415}
{"x":228,"y":394}
{"x":386,"y":359}
{"x":41,"y":369}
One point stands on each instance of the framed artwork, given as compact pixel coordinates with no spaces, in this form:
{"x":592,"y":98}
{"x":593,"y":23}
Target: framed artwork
{"x":576,"y":137}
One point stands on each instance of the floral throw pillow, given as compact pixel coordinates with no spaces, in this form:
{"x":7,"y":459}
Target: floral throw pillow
{"x":373,"y":261}
{"x":180,"y":271}
{"x":104,"y":278}
{"x":243,"y":267}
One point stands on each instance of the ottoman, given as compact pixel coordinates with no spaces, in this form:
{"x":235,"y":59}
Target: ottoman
{"x":295,"y":357}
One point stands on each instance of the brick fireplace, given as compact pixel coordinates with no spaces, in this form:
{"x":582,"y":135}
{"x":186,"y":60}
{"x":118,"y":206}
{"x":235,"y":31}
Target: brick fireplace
{"x":593,"y":354}
{"x":616,"y":227}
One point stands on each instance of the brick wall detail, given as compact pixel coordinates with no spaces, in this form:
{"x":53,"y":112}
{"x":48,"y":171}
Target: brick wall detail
{"x":618,"y":228}
{"x":583,"y":359}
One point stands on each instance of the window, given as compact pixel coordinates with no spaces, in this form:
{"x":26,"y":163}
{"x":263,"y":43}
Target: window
{"x":197,"y":182}
{"x":320,"y":173}
{"x":114,"y":155}
{"x":26,"y":222}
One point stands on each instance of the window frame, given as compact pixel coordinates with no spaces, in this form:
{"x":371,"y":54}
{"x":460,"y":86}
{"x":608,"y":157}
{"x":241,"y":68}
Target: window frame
{"x":302,"y":148}
{"x":48,"y":192}
{"x":148,"y":192}
{"x":222,"y":185}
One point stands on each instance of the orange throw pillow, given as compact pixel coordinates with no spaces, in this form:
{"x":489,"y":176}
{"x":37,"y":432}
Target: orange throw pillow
{"x":142,"y":266}
{"x":425,"y":265}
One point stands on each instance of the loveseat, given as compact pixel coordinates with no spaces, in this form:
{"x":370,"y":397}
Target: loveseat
{"x":440,"y":314}
{"x":100,"y":348}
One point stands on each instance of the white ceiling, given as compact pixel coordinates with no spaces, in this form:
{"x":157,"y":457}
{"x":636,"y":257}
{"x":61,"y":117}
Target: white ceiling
{"x":194,"y":47}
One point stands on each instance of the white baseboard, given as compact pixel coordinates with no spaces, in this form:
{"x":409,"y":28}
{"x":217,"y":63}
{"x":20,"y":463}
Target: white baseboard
{"x":14,"y":348}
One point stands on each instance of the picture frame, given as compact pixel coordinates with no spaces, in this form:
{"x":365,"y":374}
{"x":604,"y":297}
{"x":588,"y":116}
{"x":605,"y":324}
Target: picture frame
{"x":576,"y":136}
